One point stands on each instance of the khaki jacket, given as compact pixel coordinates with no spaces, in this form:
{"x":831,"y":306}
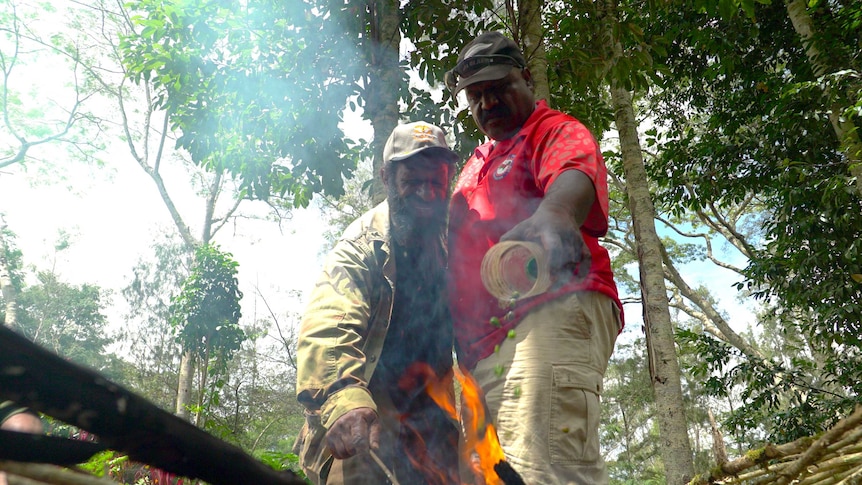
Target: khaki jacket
{"x":343,"y":331}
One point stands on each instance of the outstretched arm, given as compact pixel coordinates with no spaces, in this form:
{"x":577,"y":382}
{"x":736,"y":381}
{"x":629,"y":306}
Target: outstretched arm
{"x":556,"y":225}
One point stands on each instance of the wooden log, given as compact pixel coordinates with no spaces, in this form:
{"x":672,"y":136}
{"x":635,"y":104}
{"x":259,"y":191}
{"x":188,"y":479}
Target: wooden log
{"x":124,"y":421}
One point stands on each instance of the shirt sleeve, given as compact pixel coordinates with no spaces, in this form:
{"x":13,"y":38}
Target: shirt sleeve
{"x":330,"y":359}
{"x":570,"y":146}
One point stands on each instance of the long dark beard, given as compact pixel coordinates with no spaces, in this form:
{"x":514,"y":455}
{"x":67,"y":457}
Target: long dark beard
{"x":407,"y":228}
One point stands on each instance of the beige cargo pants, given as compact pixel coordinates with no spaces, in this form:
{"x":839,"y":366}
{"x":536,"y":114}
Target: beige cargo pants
{"x":544,"y":400}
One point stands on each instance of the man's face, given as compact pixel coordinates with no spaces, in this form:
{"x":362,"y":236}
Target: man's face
{"x":422,"y":184}
{"x":502,"y":106}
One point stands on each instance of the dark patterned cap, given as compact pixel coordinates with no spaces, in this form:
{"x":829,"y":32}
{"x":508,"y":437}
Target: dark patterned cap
{"x":488,"y":57}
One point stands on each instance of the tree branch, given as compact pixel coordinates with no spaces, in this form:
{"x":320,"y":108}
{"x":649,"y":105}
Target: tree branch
{"x":284,"y":340}
{"x":730,"y":336}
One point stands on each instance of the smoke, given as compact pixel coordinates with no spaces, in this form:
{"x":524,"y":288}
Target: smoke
{"x":256,"y":90}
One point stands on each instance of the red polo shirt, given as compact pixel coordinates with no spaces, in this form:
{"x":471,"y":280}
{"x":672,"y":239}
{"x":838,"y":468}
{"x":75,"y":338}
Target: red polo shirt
{"x":501,"y":185}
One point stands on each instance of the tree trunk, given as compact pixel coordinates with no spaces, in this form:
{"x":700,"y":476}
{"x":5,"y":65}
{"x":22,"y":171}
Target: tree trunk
{"x":9,"y":292}
{"x":184,"y":386}
{"x":664,"y":369}
{"x":664,"y":364}
{"x":531,"y":31}
{"x":384,"y":83}
{"x":843,"y":126}
{"x":718,"y":448}
{"x":203,"y":382}
{"x":627,"y":434}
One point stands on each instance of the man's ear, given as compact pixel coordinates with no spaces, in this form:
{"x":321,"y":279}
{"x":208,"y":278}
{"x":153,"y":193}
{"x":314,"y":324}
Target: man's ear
{"x":528,"y":77}
{"x":383,"y":176}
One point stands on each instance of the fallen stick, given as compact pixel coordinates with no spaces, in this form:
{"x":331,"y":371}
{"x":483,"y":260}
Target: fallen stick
{"x":40,"y":380}
{"x":389,"y":475}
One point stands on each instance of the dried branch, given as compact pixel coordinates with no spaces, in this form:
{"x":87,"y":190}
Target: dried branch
{"x":35,"y":473}
{"x":834,"y":458}
{"x":820,"y":447}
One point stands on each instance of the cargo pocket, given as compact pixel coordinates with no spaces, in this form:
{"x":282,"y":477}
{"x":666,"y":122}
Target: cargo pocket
{"x":575,"y":415}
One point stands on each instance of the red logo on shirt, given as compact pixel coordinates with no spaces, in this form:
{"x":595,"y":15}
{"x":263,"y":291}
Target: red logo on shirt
{"x":505,"y":167}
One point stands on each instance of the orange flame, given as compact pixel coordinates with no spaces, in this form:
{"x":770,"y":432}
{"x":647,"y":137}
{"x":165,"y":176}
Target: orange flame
{"x":480,"y":436}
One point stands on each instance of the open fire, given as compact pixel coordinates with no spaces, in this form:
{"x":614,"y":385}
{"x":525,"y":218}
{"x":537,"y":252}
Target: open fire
{"x":481,"y":448}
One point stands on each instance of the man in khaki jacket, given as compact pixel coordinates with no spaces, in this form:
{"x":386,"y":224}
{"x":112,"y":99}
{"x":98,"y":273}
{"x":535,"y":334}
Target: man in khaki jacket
{"x":376,"y":324}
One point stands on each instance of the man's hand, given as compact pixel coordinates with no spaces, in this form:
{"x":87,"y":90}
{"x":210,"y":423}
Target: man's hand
{"x":564,"y":246}
{"x":357,"y":431}
{"x":556,"y":226}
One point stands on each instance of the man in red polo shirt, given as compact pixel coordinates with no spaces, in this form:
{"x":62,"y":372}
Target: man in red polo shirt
{"x":541,"y":178}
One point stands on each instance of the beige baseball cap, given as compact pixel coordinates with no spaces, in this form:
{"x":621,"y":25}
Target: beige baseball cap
{"x":411,"y":138}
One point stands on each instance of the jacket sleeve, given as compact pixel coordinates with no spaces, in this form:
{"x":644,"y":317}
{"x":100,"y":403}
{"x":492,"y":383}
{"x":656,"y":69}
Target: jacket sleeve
{"x":333,"y":336}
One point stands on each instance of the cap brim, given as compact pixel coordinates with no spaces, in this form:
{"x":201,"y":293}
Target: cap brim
{"x":490,"y":73}
{"x":451,"y":157}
